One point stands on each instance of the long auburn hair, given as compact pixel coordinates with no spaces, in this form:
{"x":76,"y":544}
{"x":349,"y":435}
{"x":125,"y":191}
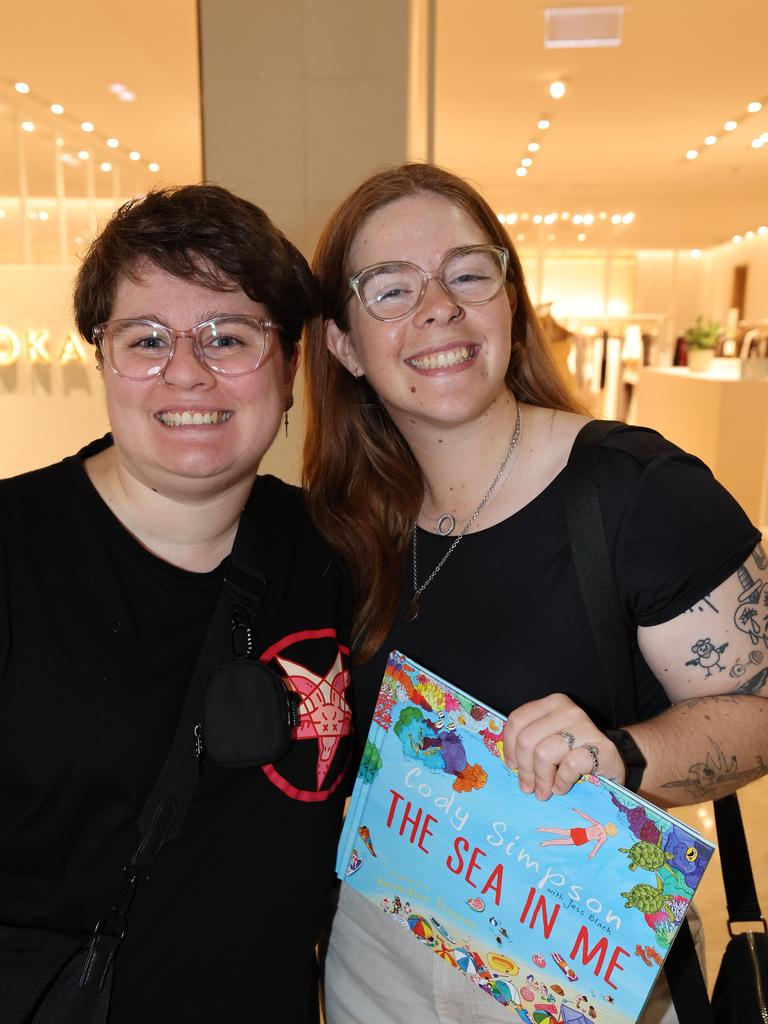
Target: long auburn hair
{"x":364,"y":487}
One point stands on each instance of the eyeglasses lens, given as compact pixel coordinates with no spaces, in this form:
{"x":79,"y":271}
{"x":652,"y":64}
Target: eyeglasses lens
{"x":227,"y":345}
{"x":392,"y":290}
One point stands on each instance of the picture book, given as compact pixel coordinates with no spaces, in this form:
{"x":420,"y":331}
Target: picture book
{"x":561,"y":910}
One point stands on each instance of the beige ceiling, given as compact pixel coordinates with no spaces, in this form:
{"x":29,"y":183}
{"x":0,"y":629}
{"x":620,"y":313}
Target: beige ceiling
{"x":617,"y":141}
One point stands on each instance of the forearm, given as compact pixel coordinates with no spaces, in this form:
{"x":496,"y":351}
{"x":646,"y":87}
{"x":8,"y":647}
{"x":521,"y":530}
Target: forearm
{"x":703,"y":748}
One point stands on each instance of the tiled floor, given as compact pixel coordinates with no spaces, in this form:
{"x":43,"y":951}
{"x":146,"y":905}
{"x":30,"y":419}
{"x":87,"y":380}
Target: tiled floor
{"x":710,"y":899}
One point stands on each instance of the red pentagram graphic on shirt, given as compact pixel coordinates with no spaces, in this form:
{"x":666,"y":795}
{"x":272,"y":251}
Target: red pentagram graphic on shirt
{"x":325,"y":714}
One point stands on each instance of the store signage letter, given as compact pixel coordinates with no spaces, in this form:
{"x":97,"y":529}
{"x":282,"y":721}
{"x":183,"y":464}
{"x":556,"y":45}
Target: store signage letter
{"x":35,"y":345}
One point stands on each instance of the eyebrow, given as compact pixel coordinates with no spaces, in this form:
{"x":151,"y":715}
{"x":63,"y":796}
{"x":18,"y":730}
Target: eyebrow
{"x":208,"y":315}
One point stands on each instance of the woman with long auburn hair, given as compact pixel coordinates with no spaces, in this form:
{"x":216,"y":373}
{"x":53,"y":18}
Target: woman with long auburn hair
{"x":437,"y":438}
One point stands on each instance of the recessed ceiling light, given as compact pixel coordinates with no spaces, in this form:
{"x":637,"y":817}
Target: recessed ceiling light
{"x":737,"y":239}
{"x":616,"y":218}
{"x":86,"y":126}
{"x":757,"y":143}
{"x":134,"y":155}
{"x":106,"y":166}
{"x":56,"y":108}
{"x":533,"y":147}
{"x":43,"y":215}
{"x":27,"y":126}
{"x":523,"y":216}
{"x":127,"y":96}
{"x":526,"y":161}
{"x":749,"y":234}
{"x":550,"y":218}
{"x":731,"y":126}
{"x":581,"y":237}
{"x":511,"y":218}
{"x":501,"y":218}
{"x":754,"y":107}
{"x":113,"y":143}
{"x":21,"y":87}
{"x":589,"y":218}
{"x":83,"y":154}
{"x":691,"y":154}
{"x":577,"y":218}
{"x":521,"y":172}
{"x":762,"y":230}
{"x":537,"y":218}
{"x":602,"y":215}
{"x":154,"y":167}
{"x":565,"y":215}
{"x":520,"y":237}
{"x":557,"y":90}
{"x":116,"y":88}
{"x":695,"y":253}
{"x":710,"y":140}
{"x":543,"y":124}
{"x":628,"y":218}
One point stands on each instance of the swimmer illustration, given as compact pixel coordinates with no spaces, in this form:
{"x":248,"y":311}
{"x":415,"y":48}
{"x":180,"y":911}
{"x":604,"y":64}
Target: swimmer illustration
{"x":579,"y":836}
{"x":365,"y":834}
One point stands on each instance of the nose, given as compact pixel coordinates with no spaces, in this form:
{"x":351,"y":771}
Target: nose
{"x":437,"y":304}
{"x":185,"y":369}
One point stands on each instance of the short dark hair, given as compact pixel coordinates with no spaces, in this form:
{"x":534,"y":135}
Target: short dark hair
{"x":205,"y":234}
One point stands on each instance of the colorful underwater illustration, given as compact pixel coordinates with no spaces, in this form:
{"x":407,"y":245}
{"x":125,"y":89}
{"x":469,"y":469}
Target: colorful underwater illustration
{"x":499,"y":886}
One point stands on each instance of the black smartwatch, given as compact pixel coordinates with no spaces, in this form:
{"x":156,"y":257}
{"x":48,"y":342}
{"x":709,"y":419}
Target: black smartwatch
{"x":631,"y":755}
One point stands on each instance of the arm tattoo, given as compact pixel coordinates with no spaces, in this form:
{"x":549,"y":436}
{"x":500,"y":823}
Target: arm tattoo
{"x":751,"y":615}
{"x":700,"y":605}
{"x":705,"y":778}
{"x":761,"y":560}
{"x":755,"y":684}
{"x":707,"y":655}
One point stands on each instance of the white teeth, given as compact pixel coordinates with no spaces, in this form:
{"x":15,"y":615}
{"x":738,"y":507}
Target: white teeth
{"x":197,"y":419}
{"x":442,"y":359}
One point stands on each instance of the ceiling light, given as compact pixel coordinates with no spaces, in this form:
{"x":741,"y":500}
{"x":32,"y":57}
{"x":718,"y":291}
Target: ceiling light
{"x":67,"y":158}
{"x":581,"y":237}
{"x":27,"y":126}
{"x":754,"y":107}
{"x":106,"y":166}
{"x":731,"y":126}
{"x":691,"y":154}
{"x":83,"y":154}
{"x":533,"y":147}
{"x":737,"y":239}
{"x":127,"y":96}
{"x":523,"y":216}
{"x":543,"y":124}
{"x":520,"y":238}
{"x":526,"y":161}
{"x":86,"y":126}
{"x":628,"y":217}
{"x":59,"y":142}
{"x":511,"y":218}
{"x":616,"y":218}
{"x":134,"y":155}
{"x":602,"y":215}
{"x":537,"y":218}
{"x":56,"y":108}
{"x":521,"y":172}
{"x":589,"y":218}
{"x":762,"y":230}
{"x":577,"y":218}
{"x":21,"y":87}
{"x":116,"y":88}
{"x":551,"y":238}
{"x":557,"y":90}
{"x":43,"y":215}
{"x":3,"y":215}
{"x":113,"y":143}
{"x":710,"y":140}
{"x":695,"y":253}
{"x":749,"y":234}
{"x":501,"y":218}
{"x":757,"y":143}
{"x":550,"y":218}
{"x":153,"y":167}
{"x":565,"y":215}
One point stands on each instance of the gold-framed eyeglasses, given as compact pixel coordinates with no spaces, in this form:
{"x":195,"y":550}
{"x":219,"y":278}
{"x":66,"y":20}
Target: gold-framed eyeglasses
{"x":142,"y":349}
{"x":470,"y":275}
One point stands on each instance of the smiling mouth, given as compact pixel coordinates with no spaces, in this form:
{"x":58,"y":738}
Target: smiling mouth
{"x":441,"y":360}
{"x":198,"y":418}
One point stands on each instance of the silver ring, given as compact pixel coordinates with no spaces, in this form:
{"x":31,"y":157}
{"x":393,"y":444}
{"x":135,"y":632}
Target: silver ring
{"x":568,"y":737}
{"x":593,"y":752}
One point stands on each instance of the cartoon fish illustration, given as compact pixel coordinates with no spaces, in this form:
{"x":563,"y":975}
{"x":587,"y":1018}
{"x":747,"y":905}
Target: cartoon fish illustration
{"x":365,"y":835}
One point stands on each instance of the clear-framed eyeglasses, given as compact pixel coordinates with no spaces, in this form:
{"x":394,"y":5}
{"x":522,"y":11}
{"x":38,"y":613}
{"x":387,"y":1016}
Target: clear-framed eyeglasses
{"x":470,"y":276}
{"x":229,"y":345}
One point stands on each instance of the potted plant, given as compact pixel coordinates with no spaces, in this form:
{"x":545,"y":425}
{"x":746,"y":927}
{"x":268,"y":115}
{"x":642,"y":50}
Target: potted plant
{"x":701,"y":339}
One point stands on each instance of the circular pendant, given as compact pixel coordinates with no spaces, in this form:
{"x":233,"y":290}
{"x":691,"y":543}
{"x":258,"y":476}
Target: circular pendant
{"x":411,"y":611}
{"x":446,"y":524}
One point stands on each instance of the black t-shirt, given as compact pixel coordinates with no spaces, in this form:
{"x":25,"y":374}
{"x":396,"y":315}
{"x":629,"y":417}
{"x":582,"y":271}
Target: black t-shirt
{"x":98,"y":640}
{"x":504,"y":619}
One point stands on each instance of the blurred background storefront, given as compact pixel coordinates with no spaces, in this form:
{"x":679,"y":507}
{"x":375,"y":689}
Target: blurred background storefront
{"x":626,"y":149}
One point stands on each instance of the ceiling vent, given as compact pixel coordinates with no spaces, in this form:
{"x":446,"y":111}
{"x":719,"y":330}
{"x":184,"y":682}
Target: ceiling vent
{"x":567,"y":27}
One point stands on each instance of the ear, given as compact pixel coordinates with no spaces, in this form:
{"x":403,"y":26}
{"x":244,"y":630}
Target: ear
{"x":339,"y":344}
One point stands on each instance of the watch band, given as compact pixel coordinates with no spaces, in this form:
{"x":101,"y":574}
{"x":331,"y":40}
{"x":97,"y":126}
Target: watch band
{"x":631,"y":755}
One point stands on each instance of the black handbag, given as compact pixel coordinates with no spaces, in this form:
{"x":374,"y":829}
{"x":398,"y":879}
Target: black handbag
{"x":53,"y":977}
{"x":741,"y":988}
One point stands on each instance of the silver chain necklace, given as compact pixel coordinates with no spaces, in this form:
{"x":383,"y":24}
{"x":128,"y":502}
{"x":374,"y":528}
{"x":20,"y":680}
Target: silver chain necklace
{"x":412,"y":611}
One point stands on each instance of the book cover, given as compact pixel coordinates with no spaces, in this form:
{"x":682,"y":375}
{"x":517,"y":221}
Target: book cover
{"x":562,"y":910}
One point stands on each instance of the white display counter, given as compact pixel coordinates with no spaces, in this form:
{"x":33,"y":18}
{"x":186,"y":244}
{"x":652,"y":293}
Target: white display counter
{"x":721,"y":419}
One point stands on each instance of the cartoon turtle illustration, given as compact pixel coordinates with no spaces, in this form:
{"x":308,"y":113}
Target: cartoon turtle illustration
{"x":648,"y":899}
{"x":649,"y":856}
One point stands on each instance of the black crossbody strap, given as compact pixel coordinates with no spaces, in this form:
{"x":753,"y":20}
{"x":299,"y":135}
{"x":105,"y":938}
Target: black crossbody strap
{"x":591,"y":561}
{"x":229,"y":635}
{"x":589,"y":551}
{"x":738,"y":880}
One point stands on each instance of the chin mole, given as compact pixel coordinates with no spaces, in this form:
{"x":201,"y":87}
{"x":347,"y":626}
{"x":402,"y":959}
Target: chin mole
{"x":413,"y":391}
